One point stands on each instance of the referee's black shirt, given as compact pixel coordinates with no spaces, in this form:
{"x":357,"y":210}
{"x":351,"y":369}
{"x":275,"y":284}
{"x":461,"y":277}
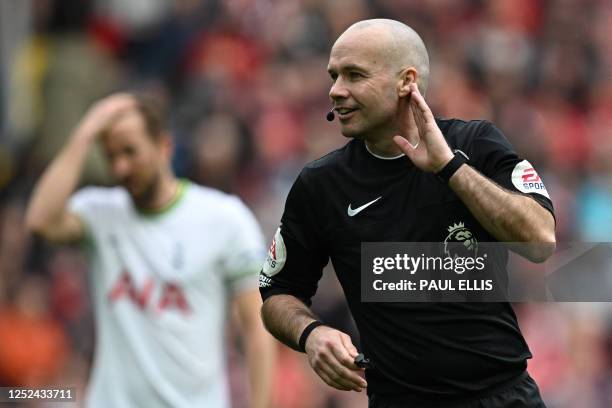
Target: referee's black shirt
{"x":426,"y":350}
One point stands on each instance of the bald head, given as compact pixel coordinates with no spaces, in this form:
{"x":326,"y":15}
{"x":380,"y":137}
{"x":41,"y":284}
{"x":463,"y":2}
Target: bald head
{"x":400,"y":45}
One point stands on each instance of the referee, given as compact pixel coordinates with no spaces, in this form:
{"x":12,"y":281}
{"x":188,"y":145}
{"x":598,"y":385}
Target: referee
{"x":405,"y":176}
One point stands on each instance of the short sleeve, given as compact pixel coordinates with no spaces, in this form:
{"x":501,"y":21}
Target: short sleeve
{"x":246,"y":249}
{"x":493,"y":155}
{"x":297,"y":255}
{"x":87,"y":205}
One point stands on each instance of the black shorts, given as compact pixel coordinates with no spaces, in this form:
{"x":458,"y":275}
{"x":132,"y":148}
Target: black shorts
{"x":521,"y":393}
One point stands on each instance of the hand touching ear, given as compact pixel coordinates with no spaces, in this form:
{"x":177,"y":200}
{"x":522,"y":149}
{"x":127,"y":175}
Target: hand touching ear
{"x":421,"y":140}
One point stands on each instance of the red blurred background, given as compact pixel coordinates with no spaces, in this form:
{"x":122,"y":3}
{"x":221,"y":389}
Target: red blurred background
{"x":246,"y":89}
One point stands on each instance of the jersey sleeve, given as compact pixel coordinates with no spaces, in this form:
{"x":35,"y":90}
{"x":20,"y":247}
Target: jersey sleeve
{"x":246,"y":249}
{"x":493,"y":155}
{"x":87,"y":204}
{"x":297,"y":255}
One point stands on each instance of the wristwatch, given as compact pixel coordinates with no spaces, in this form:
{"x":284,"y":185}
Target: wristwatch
{"x":452,"y":166}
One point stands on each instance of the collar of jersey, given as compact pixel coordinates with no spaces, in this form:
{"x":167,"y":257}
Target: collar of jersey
{"x":382,"y":157}
{"x":178,"y":196}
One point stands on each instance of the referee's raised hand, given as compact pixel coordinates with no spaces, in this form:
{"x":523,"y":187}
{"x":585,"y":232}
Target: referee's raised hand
{"x":331,"y":355}
{"x":421,"y":139}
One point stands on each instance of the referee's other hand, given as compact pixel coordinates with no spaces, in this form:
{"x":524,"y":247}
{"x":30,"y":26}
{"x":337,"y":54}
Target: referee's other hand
{"x":331,"y":355}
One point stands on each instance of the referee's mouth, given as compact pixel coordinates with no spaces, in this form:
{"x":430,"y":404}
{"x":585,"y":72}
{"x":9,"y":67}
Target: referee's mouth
{"x":345,"y":113}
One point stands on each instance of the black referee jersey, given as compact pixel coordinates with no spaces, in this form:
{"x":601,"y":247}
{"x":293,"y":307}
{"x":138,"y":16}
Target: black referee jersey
{"x":428,"y":350}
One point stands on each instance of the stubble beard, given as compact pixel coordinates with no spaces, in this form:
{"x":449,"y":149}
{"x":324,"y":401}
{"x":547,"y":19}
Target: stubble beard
{"x":147,"y":196}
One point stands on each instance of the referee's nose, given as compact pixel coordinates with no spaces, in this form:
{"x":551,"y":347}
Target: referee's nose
{"x":338,"y":89}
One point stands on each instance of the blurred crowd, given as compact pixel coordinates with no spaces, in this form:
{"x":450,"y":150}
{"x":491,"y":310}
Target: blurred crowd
{"x":246,"y":89}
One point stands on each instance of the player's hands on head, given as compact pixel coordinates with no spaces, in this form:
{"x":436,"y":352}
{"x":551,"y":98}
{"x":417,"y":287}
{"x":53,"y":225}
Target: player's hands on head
{"x":102,"y":113}
{"x":421,"y":140}
{"x":331,"y":354}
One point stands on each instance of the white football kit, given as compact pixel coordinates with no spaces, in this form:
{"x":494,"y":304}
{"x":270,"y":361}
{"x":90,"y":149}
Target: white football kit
{"x":161,"y":284}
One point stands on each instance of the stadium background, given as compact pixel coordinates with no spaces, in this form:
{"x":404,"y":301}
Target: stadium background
{"x":246,"y":90}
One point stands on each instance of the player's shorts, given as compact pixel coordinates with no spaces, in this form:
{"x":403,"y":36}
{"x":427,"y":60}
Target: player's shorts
{"x":522,"y":392}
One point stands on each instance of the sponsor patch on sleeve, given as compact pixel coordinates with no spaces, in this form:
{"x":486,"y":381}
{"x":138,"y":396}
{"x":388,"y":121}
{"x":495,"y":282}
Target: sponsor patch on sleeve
{"x":277,"y":256}
{"x":526,"y":179}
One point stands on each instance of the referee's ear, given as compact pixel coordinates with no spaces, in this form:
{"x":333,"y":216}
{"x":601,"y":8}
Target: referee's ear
{"x":407,"y":76}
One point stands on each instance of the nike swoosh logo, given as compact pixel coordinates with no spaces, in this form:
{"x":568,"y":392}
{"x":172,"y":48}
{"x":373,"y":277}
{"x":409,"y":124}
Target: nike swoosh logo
{"x":352,"y":213}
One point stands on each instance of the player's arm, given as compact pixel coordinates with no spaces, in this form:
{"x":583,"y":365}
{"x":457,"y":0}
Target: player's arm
{"x":331,"y":353}
{"x":508,"y":216}
{"x":260,"y":347}
{"x":47,"y":214}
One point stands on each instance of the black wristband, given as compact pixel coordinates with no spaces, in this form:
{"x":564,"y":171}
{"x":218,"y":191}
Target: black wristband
{"x":307,"y":330}
{"x":452,"y":166}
